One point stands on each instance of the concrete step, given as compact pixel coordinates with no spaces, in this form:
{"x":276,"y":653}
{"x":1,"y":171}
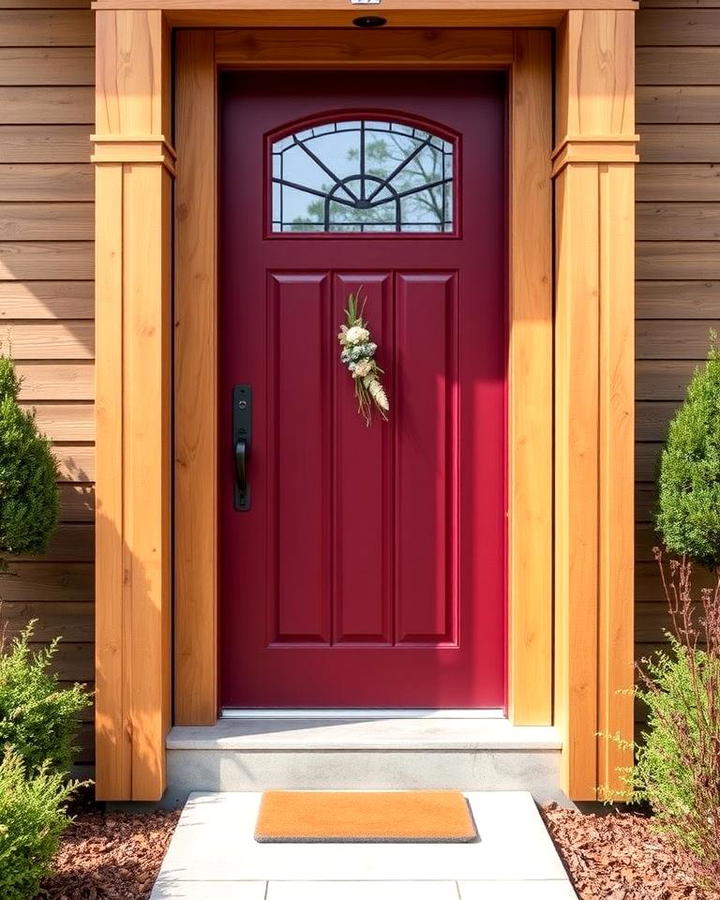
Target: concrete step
{"x":315,"y":753}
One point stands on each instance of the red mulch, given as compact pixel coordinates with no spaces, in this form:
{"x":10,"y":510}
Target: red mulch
{"x":610,"y":857}
{"x":114,"y":855}
{"x":618,"y":856}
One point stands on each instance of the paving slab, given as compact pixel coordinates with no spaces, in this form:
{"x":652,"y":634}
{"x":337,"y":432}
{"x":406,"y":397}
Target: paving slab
{"x":213,"y":845}
{"x":362,"y":890}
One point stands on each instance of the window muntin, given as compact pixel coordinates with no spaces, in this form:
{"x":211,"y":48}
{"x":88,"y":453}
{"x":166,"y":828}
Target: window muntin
{"x":364,"y":176}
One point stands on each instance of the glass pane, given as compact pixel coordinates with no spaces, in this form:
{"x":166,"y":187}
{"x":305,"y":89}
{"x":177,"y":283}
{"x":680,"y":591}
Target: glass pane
{"x":365,"y":176}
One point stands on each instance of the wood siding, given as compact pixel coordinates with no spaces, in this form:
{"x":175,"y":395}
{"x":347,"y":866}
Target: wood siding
{"x":678,"y":246}
{"x":46,"y":302}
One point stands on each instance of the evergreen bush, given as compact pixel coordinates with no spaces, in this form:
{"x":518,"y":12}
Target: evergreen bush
{"x":28,"y":475}
{"x":689,"y":484}
{"x":38,"y":718}
{"x":33,"y":817}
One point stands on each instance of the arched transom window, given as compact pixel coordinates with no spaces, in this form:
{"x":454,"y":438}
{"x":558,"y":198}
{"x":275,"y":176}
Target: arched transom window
{"x":364,"y":176}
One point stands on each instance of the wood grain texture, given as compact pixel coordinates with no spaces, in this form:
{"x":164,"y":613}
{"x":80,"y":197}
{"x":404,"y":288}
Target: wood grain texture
{"x":72,"y":542}
{"x":675,"y":103}
{"x":678,"y":28}
{"x":133,"y":232}
{"x":647,"y":454}
{"x":616,"y":551}
{"x":577,"y":476}
{"x":44,"y":144}
{"x":46,"y":105}
{"x":675,"y":339}
{"x":678,"y":260}
{"x":47,"y":380}
{"x":46,"y":300}
{"x":113,"y":734}
{"x":652,"y":419}
{"x":72,"y":621}
{"x":529,"y":16}
{"x":46,"y":221}
{"x":66,"y":422}
{"x":663,"y":379}
{"x":530,"y":380}
{"x":29,"y":183}
{"x":196,"y":563}
{"x":678,"y":65}
{"x":594,"y":390}
{"x":393,"y":48}
{"x":677,"y":299}
{"x":45,"y":581}
{"x":47,"y":66}
{"x":678,"y":182}
{"x":46,"y":28}
{"x":20,"y":260}
{"x":45,"y":4}
{"x":678,"y":222}
{"x":76,"y":462}
{"x":678,"y":143}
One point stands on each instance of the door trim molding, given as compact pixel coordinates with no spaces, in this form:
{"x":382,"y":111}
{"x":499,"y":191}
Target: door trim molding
{"x":527,"y":56}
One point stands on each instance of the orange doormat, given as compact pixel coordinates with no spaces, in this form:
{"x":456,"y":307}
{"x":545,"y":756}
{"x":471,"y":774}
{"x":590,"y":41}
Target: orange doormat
{"x":364,"y":816}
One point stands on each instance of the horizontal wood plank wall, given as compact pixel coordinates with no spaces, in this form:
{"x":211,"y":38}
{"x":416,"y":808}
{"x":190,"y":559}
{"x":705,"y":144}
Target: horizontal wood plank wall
{"x":678,"y":246}
{"x":46,"y":302}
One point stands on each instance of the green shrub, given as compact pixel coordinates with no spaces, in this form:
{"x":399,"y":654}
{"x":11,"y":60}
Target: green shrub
{"x":689,"y":485}
{"x":677,"y":762}
{"x":28,"y":473}
{"x":667,"y":759}
{"x":38,"y":719}
{"x":33,"y":817}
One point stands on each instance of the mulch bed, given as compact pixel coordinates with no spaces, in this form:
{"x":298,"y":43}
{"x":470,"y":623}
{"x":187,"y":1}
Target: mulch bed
{"x":115,"y":855}
{"x":609,"y":857}
{"x":619,"y":857}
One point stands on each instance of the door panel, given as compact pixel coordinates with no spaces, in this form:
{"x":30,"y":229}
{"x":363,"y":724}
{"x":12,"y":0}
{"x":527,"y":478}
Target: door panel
{"x":370,"y":568}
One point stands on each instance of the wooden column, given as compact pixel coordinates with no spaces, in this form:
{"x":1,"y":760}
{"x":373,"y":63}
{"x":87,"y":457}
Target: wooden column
{"x":594,"y":171}
{"x":134,"y":166}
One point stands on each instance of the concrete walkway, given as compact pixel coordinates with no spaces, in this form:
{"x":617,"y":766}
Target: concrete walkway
{"x":213,"y":855}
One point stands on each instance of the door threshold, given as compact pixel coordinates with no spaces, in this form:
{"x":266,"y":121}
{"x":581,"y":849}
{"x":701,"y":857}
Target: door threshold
{"x":355,"y":713}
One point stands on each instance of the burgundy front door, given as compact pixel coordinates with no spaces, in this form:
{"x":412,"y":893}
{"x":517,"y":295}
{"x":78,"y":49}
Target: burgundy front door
{"x":369,"y":569}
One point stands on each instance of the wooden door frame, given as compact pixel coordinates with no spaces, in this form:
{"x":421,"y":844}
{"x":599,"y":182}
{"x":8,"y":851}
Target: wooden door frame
{"x":570,"y":635}
{"x":527,"y":57}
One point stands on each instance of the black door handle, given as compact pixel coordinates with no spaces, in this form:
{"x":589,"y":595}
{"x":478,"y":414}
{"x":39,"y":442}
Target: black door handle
{"x":241,"y":453}
{"x":242,"y":439}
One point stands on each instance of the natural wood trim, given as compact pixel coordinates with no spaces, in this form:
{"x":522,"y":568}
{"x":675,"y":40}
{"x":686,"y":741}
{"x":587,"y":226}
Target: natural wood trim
{"x":594,"y":546}
{"x":530,"y":438}
{"x":133,"y":150}
{"x":113,"y":743}
{"x":196,"y":402}
{"x":133,"y":215}
{"x":594,"y":150}
{"x":617,"y":472}
{"x":395,"y":48}
{"x":299,"y":17}
{"x":273,"y":7}
{"x":530,"y":653}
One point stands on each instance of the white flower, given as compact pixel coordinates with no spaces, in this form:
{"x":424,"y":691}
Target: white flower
{"x":361,"y":369}
{"x":357,"y":335}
